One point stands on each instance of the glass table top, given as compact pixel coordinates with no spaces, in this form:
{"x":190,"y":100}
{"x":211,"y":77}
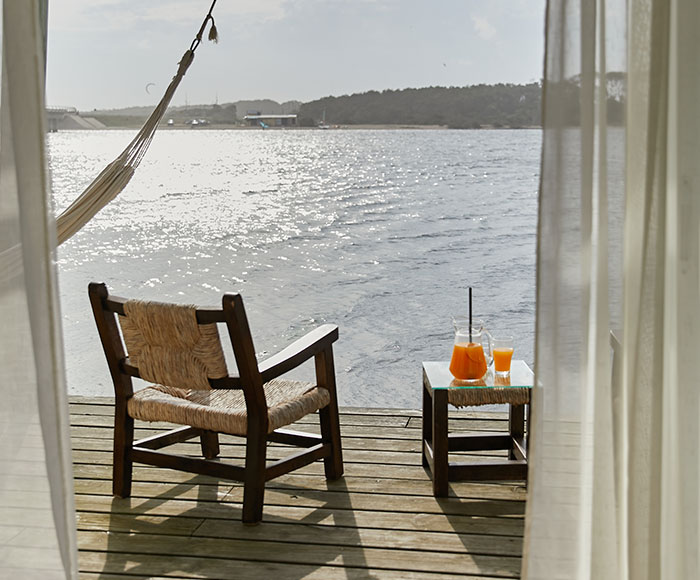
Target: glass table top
{"x":438,"y":376}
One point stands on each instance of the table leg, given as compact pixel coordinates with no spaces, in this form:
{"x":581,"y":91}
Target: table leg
{"x":440,"y":443}
{"x":427,"y":420}
{"x":529,"y":426}
{"x":516,"y":428}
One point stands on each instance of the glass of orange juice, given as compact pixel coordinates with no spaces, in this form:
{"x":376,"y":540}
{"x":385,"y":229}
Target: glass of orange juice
{"x":502,"y":348}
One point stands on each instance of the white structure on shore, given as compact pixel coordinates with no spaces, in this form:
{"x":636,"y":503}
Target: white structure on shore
{"x":271,"y":120}
{"x":69,"y":118}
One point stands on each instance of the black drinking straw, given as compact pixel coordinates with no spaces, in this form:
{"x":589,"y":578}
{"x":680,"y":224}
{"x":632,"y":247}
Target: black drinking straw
{"x":470,"y":313}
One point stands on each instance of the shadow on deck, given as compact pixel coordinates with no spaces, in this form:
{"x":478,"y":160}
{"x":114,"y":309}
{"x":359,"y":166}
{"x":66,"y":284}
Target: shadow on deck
{"x":379,"y":521}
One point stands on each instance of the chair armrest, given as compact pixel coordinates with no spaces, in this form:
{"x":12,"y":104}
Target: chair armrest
{"x":298,"y":352}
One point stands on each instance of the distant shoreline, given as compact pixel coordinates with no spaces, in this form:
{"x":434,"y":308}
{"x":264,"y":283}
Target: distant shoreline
{"x":382,"y":127}
{"x":497,"y":106}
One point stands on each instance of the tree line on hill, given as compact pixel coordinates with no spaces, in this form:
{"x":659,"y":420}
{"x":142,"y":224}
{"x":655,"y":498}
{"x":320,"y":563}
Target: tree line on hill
{"x":567,"y":93}
{"x":501,"y":105}
{"x":472,"y":107}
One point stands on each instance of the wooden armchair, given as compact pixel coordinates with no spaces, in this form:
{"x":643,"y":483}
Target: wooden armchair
{"x":178,"y":349}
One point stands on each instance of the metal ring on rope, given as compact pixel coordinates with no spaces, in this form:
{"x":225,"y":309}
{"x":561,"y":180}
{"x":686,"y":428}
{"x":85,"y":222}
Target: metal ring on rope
{"x":212,"y":32}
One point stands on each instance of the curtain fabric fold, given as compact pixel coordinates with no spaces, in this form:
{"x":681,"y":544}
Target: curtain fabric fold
{"x":614,"y":471}
{"x":37,"y":516}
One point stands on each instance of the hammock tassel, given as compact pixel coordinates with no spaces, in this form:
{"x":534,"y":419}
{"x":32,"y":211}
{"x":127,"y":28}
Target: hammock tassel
{"x":213,"y":32}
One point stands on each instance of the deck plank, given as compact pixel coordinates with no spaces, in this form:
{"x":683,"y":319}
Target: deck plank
{"x":379,"y":521}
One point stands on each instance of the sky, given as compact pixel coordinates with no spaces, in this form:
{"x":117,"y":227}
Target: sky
{"x":105,"y":54}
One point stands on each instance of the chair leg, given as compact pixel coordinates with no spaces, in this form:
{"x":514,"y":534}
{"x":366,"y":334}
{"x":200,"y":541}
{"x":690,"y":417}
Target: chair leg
{"x":121,"y":458}
{"x":329,"y":417}
{"x":330,"y":431}
{"x":254,"y":483}
{"x":210,"y":444}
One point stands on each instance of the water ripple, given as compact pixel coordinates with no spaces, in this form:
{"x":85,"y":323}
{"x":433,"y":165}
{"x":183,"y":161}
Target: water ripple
{"x":380,"y":232}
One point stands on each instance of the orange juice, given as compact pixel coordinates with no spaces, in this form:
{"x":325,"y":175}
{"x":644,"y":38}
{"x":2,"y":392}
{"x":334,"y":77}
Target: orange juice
{"x":468,"y":361}
{"x":501,"y":359}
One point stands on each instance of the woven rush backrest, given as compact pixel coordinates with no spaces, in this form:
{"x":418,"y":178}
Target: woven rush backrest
{"x":170,"y":347}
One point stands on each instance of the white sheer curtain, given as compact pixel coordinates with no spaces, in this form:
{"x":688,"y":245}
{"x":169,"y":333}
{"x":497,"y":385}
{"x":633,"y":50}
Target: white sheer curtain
{"x":37,"y":517}
{"x":614,"y":472}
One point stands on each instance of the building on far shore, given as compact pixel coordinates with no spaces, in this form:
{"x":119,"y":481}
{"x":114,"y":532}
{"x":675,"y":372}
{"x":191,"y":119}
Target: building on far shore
{"x":69,"y":118}
{"x":261,"y":120}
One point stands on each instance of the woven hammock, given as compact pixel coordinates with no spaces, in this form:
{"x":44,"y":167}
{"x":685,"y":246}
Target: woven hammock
{"x":116,"y":176}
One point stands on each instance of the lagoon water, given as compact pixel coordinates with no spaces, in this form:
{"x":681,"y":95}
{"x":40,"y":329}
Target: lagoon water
{"x":378,"y":231}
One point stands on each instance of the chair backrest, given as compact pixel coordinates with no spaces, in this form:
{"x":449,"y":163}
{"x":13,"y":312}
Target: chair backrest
{"x":175,"y":345}
{"x":169,"y":347}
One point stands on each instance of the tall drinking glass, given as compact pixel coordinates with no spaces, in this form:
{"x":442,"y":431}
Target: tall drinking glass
{"x":502,"y":354}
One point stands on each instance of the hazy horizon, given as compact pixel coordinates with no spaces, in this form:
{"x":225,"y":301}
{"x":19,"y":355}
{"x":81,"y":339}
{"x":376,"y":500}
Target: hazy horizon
{"x":113,"y":54}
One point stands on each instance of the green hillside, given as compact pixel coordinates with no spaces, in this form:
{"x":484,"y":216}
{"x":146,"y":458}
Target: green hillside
{"x":502,"y":105}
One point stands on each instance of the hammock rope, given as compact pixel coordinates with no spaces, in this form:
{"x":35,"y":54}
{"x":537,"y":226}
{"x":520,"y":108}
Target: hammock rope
{"x":116,"y":176}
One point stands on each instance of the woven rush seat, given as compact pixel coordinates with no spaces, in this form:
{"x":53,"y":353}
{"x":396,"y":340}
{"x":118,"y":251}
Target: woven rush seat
{"x":224,"y":410}
{"x":488,"y":396}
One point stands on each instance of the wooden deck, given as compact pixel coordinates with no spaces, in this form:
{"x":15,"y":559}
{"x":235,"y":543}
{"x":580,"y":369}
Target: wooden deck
{"x":379,"y":521}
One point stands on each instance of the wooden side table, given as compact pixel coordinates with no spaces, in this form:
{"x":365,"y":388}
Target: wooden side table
{"x":439,"y":389}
